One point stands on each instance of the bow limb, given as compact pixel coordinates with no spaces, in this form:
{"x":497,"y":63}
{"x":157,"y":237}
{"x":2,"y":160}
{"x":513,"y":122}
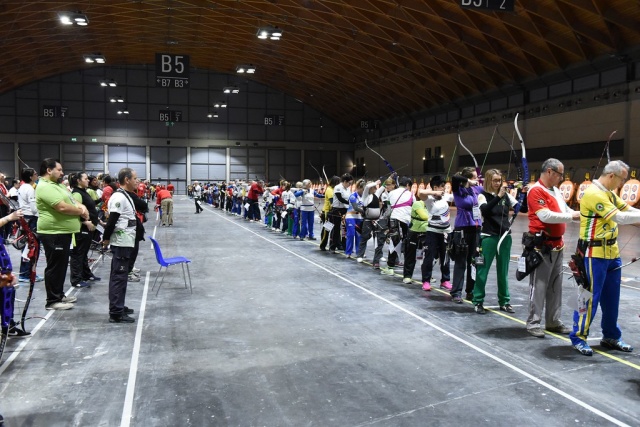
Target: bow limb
{"x":381,"y":158}
{"x":325,"y":175}
{"x":475,"y":162}
{"x":525,"y":179}
{"x":317,"y":171}
{"x":606,"y":149}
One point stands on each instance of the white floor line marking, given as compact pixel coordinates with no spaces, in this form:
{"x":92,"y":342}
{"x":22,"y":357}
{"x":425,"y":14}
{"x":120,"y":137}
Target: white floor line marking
{"x":25,"y":340}
{"x":444,"y":331}
{"x":127,"y":410}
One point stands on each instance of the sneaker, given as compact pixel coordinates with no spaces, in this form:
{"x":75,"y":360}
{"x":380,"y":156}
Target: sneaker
{"x":302,"y":238}
{"x":360,"y":259}
{"x":59,"y":306}
{"x":323,"y":249}
{"x":469,"y":296}
{"x":457,"y":300}
{"x":383,"y":259}
{"x":23,"y":279}
{"x":133,"y":278}
{"x":446,"y":285}
{"x":135,"y":270}
{"x":376,"y":266}
{"x":509,"y":309}
{"x":70,"y":299}
{"x":128,"y":310}
{"x":480,"y":309}
{"x":406,"y":280}
{"x":93,"y":278}
{"x":311,"y":238}
{"x":560,"y":329}
{"x":82,"y":285}
{"x":583,"y":348}
{"x":399,"y":264}
{"x":616,"y":344}
{"x":15,"y":331}
{"x":388,"y":271}
{"x":536,"y":332}
{"x":121,"y":318}
{"x":39,"y":279}
{"x":426,"y":286}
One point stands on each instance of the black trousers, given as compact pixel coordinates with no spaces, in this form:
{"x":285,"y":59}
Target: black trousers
{"x":397,"y":232}
{"x":118,"y":279}
{"x":198,"y":208}
{"x":79,"y":263}
{"x":335,"y":216}
{"x":435,"y":247}
{"x":413,"y":243}
{"x":56,"y":251}
{"x":134,"y":256}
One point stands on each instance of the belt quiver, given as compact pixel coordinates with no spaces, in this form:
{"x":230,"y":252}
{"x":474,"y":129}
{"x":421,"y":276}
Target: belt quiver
{"x":532,"y":257}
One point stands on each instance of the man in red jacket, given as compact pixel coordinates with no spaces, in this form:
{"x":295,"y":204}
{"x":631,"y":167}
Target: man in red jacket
{"x":253,"y":196}
{"x":165,"y":202}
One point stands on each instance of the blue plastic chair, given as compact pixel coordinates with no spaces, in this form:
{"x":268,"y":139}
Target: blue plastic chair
{"x":168,"y":262}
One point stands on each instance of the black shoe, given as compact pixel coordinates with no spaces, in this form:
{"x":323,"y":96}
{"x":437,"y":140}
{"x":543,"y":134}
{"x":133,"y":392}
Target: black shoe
{"x":15,"y":331}
{"x":312,"y":238}
{"x":469,"y":296}
{"x":128,"y":310}
{"x":323,"y":249}
{"x":121,"y":318}
{"x":480,"y":309}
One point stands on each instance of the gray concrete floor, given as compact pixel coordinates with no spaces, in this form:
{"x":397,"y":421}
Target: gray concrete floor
{"x":278,"y":333}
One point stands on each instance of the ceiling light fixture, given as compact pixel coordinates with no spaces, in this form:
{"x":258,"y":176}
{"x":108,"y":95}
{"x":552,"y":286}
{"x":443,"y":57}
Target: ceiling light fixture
{"x":214,"y":114}
{"x":73,"y":18}
{"x":273,"y":33}
{"x":109,"y":82}
{"x":94,"y":58}
{"x":220,"y":105}
{"x":125,"y":111}
{"x":116,"y":99}
{"x":249,"y":69}
{"x":231,"y":89}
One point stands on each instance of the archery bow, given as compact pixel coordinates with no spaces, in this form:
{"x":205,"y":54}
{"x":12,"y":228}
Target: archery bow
{"x":317,"y":171}
{"x":475,"y":162}
{"x":606,"y":149}
{"x":382,"y":158}
{"x":33,"y":255}
{"x":7,"y":296}
{"x":525,"y":179}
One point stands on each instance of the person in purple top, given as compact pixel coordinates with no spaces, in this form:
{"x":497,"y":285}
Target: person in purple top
{"x":464,"y":239}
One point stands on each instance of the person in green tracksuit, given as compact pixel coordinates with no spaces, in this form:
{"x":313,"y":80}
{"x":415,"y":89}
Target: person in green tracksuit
{"x":495,"y":203}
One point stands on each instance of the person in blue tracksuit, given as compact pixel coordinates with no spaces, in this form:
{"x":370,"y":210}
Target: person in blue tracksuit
{"x":600,"y":213}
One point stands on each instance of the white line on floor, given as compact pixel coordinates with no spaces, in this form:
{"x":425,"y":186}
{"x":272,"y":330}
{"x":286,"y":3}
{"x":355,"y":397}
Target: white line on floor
{"x":133,"y":368}
{"x":438,"y":328}
{"x":26,"y":340}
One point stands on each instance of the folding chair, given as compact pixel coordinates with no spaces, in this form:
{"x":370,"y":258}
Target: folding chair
{"x":168,"y":262}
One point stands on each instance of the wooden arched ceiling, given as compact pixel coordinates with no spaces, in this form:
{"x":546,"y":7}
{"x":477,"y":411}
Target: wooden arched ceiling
{"x":348,"y":59}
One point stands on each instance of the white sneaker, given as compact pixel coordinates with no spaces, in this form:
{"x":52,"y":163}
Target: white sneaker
{"x":133,"y":278}
{"x":59,"y":306}
{"x":69,"y":299}
{"x":135,"y":270}
{"x":383,"y":259}
{"x":386,"y":271}
{"x":359,"y":259}
{"x":406,"y":280}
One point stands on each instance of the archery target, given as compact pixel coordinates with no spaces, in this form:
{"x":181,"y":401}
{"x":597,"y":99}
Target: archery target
{"x":581,"y":189}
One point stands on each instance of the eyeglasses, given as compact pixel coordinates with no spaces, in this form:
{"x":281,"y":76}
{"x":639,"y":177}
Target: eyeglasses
{"x":559,"y":173}
{"x":621,"y":178}
{"x":497,"y":180}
